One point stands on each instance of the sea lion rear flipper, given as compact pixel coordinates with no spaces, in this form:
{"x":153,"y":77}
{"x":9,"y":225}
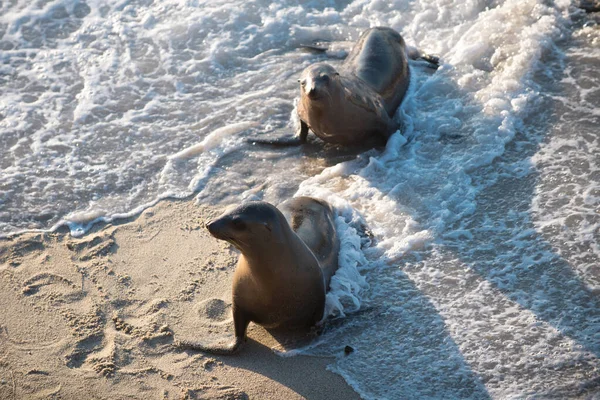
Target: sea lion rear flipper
{"x":590,"y":6}
{"x":281,"y":142}
{"x":434,"y":61}
{"x":317,"y":46}
{"x":415,"y":54}
{"x":313,"y":48}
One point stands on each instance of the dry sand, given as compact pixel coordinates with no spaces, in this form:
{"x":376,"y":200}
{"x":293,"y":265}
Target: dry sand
{"x":95,"y":317}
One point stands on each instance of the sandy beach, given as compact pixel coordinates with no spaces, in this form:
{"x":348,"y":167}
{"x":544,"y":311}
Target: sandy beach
{"x":95,"y":317}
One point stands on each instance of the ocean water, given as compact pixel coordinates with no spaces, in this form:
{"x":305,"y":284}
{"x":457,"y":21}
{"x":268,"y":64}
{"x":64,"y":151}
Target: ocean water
{"x":482,"y":275}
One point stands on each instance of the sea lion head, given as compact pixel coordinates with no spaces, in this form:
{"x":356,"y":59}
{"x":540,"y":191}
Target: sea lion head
{"x":248,"y":226}
{"x":318,"y":81}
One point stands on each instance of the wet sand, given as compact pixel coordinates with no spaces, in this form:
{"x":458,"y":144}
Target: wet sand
{"x":95,"y":317}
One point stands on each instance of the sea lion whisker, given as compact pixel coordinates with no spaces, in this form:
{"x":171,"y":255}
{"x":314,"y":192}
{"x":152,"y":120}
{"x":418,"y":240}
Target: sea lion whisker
{"x":236,"y":242}
{"x":329,"y":98}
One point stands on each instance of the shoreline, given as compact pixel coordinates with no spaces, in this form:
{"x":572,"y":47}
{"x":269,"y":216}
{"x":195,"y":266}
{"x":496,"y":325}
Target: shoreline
{"x":87,"y":226}
{"x":96,"y":315}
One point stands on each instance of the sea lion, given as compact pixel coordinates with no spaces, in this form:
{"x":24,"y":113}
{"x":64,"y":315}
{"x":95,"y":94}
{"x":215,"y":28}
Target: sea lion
{"x":288,"y":256}
{"x":355,"y":104}
{"x":359,"y":101}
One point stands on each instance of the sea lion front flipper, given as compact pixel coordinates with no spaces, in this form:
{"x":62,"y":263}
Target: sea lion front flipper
{"x":332,"y":48}
{"x":226,"y":350}
{"x":240,"y":323}
{"x":317,"y":46}
{"x":300,"y":138}
{"x":281,"y":142}
{"x":302,"y":131}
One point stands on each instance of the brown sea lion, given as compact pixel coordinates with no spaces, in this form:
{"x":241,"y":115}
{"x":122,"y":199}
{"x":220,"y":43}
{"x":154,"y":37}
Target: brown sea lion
{"x":288,"y":256}
{"x":358,"y":102}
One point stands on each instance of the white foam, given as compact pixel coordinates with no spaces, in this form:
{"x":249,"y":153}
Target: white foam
{"x":213,"y":140}
{"x":347,"y":285}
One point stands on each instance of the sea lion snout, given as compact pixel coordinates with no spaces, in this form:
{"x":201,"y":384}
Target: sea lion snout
{"x":226,"y":226}
{"x":215,"y":227}
{"x":309,"y":87}
{"x":316,"y":80}
{"x":249,"y":223}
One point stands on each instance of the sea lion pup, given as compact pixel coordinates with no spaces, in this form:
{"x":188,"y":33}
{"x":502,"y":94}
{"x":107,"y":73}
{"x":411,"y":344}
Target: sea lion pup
{"x":356,"y":104}
{"x":287,"y":259}
{"x":359,"y":101}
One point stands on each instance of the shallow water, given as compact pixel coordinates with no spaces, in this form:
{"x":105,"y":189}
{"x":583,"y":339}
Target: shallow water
{"x":483,"y":276}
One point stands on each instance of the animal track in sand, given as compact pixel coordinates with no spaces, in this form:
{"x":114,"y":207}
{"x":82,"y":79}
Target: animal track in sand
{"x":13,"y":253}
{"x":188,"y":293}
{"x":89,"y":329}
{"x":105,"y":345}
{"x":109,"y":357}
{"x":33,"y":284}
{"x":147,"y":332}
{"x":32,"y":335}
{"x":155,"y":306}
{"x":93,"y":247}
{"x":28,"y":325}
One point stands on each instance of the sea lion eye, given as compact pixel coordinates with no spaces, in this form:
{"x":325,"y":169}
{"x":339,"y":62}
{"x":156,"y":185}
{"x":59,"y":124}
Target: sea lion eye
{"x":302,"y":82}
{"x":238,"y":224}
{"x":325,"y":78}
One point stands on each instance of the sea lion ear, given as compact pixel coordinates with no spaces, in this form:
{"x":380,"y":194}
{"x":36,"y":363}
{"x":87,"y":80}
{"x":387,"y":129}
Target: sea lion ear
{"x":266,"y":225}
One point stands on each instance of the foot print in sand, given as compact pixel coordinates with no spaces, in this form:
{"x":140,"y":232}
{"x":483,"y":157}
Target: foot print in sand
{"x":149,"y":331}
{"x":34,"y":283}
{"x":89,"y":329}
{"x":14,"y":253}
{"x":111,"y":356}
{"x":55,"y":289}
{"x":93,"y":247}
{"x":25,"y":325}
{"x":209,"y":321}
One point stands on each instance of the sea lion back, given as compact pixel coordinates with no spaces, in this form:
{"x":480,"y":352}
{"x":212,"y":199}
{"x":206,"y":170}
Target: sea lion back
{"x":313,"y":220}
{"x":379,"y":59}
